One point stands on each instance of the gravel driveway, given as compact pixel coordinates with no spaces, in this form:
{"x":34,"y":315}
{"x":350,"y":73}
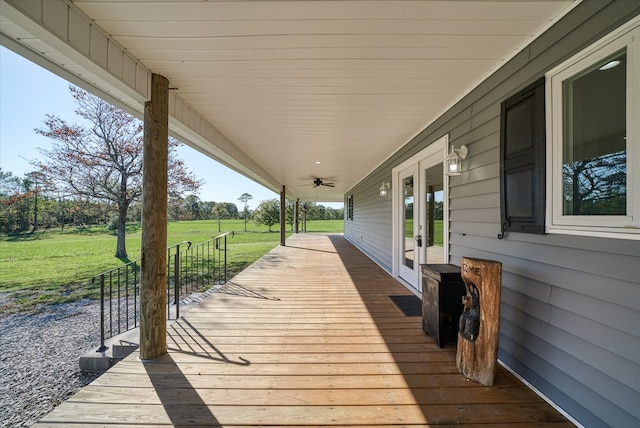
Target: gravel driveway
{"x":39,"y":355}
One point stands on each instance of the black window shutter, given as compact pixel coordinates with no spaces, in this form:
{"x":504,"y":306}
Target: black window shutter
{"x":522,"y":161}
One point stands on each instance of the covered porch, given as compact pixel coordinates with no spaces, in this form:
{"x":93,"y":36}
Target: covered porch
{"x":307,"y":336}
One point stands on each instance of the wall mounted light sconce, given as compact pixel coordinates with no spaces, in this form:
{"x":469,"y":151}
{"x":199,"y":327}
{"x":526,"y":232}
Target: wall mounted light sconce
{"x":454,"y":160}
{"x":384,"y":189}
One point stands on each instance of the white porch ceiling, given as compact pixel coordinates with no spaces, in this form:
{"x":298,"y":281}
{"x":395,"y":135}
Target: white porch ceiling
{"x":345,"y":83}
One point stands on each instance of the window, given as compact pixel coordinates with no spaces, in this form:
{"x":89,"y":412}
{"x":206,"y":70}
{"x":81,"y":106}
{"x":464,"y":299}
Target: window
{"x":350,"y":207}
{"x":592,"y":144}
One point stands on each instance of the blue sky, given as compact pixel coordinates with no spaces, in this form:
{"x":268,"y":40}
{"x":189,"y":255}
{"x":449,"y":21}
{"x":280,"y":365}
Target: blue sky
{"x":29,"y":92}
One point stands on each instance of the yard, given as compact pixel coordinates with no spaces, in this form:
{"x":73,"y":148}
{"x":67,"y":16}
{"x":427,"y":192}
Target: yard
{"x":53,"y":266}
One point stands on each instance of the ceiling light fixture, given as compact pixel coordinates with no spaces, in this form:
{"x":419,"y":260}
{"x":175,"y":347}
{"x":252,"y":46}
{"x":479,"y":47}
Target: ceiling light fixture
{"x":609,"y":65}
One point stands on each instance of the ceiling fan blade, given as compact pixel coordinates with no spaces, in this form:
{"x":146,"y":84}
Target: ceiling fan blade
{"x":317,"y":182}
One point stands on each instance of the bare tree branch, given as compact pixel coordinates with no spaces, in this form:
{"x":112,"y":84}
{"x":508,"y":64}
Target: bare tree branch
{"x":102,"y":160}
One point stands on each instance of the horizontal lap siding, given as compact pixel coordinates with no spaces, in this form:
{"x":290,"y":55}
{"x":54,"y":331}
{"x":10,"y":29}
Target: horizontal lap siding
{"x":570,"y":304}
{"x":370,"y":230}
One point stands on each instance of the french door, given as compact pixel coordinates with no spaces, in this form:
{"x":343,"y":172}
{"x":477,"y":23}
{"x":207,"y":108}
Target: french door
{"x":409,"y":231}
{"x":420,"y":213}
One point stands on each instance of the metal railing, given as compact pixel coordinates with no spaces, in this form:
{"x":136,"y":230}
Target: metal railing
{"x":190,"y":268}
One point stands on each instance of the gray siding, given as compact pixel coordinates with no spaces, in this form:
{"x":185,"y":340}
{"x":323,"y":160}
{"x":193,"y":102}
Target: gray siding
{"x":370,"y":230}
{"x":570,"y":304}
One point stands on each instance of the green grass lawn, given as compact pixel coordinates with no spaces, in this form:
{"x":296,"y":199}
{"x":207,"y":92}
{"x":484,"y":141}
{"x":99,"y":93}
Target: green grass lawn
{"x":438,"y":232}
{"x":55,"y":266}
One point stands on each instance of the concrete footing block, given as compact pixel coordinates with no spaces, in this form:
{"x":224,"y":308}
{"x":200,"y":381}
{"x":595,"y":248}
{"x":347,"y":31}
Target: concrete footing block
{"x":118,"y":347}
{"x":97,"y":362}
{"x":123,"y":350}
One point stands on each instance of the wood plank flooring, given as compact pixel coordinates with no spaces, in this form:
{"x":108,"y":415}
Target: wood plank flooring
{"x":307,"y":336}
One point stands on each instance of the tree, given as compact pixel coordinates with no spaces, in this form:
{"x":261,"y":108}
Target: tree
{"x":333,"y":213}
{"x":596,"y":186}
{"x":232,"y":209}
{"x":31,"y":184}
{"x":11,"y":197}
{"x":206,"y":207}
{"x":313,"y":212}
{"x":245,"y":198}
{"x":219,"y":211}
{"x":304,"y":209}
{"x":290,"y":213}
{"x":268,"y":212}
{"x":16,"y":197}
{"x":192,"y":207}
{"x":102,"y":161}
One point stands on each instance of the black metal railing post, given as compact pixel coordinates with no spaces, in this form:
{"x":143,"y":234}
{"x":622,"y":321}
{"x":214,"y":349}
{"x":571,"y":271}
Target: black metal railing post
{"x":102,"y":347}
{"x":111,"y":303}
{"x":119,"y":300}
{"x":176,"y":281}
{"x":135,"y":294}
{"x":225,"y":259}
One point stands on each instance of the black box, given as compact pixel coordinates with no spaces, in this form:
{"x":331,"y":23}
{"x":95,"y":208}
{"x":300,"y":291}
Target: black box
{"x":442,"y":292}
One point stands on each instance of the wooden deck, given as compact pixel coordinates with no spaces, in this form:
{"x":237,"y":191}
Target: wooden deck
{"x":307,"y":336}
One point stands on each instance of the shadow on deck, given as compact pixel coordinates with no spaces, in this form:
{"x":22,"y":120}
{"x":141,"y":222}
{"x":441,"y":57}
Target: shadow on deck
{"x":307,"y":336}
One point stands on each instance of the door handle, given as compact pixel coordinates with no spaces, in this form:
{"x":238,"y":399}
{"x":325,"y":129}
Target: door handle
{"x":418,"y":239}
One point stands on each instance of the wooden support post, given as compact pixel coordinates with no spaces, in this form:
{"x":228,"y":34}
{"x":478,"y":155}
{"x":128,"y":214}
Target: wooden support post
{"x":296,"y":216}
{"x":304,"y":217}
{"x":153,"y":280}
{"x":283,"y":217}
{"x":479,"y":325}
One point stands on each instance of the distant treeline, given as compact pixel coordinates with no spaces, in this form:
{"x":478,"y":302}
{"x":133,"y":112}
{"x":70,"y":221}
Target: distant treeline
{"x":24,"y":207}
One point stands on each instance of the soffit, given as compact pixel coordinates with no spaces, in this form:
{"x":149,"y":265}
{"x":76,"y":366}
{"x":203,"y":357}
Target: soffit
{"x":346,"y":83}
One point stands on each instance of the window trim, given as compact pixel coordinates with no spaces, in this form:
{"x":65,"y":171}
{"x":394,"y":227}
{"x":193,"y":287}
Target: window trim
{"x":623,"y":226}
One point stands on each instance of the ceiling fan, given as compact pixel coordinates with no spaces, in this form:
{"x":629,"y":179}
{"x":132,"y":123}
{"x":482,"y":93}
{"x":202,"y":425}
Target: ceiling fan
{"x":318,"y":182}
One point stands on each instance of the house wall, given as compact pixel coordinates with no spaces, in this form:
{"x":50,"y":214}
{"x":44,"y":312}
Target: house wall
{"x":570,"y":306}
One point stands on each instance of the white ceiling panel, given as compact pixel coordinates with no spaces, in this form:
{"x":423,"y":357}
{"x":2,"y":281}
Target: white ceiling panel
{"x":347,"y":83}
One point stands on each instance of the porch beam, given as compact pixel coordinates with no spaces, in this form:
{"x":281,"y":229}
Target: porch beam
{"x":153,"y":299}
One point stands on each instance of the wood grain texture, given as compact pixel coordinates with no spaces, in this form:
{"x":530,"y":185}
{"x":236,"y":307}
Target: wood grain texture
{"x":306,"y":336}
{"x":477,"y":354}
{"x":283,"y":216}
{"x":153,"y":281}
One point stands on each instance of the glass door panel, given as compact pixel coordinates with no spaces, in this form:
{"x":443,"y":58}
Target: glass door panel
{"x":408,"y":243}
{"x":407,"y":208}
{"x":433,"y":218}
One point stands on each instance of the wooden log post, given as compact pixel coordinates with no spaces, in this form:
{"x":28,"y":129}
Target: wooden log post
{"x":153,"y":297}
{"x":304,"y":217}
{"x":283,"y":217}
{"x":479,"y":325}
{"x":296,"y":216}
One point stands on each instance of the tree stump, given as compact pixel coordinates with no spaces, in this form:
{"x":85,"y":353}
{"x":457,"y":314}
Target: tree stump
{"x":479,"y":324}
